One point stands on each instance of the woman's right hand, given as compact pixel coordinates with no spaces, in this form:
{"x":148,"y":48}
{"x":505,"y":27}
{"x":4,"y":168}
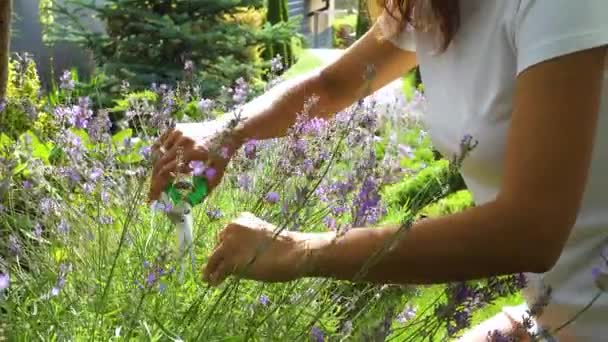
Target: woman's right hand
{"x":208,"y":143}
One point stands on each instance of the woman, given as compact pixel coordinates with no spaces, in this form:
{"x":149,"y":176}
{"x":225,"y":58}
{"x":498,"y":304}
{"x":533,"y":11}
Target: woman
{"x":527,"y":79}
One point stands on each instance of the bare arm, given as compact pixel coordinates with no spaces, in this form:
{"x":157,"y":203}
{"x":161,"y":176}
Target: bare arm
{"x":526,"y":227}
{"x":336,"y":86}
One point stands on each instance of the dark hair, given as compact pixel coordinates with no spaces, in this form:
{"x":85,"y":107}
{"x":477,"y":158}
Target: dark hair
{"x":440,"y":15}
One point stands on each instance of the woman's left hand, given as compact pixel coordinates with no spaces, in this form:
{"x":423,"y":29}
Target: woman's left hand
{"x":248,"y":248}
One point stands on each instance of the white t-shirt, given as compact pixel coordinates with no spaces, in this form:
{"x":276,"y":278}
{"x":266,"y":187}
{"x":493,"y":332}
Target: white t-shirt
{"x":470,"y":88}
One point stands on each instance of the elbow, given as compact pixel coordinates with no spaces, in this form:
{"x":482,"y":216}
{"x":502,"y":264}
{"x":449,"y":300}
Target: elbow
{"x":540,"y":236}
{"x":541,"y":246}
{"x":542,"y":261}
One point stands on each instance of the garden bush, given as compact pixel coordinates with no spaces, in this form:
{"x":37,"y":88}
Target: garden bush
{"x":149,"y":42}
{"x":82,"y":256}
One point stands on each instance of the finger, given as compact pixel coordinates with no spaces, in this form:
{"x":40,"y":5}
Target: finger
{"x":160,"y":141}
{"x":166,"y":134}
{"x":161,"y":179}
{"x":172,"y":140}
{"x":214,"y":261}
{"x":223,"y":271}
{"x":164,"y":160}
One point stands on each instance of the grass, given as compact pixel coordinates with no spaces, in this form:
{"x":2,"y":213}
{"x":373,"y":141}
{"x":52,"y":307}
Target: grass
{"x":307,"y":61}
{"x":350,"y":20}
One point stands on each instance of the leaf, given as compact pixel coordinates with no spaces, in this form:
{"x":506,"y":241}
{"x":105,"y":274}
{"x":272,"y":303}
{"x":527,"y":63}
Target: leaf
{"x":40,"y":150}
{"x":119,"y":138}
{"x":19,"y":168}
{"x":55,"y":155}
{"x":59,"y":254}
{"x":84,"y":137}
{"x":134,"y":156}
{"x":5,"y":140}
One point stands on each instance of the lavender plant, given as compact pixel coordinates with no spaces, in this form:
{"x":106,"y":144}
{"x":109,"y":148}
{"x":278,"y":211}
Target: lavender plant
{"x":83,"y":256}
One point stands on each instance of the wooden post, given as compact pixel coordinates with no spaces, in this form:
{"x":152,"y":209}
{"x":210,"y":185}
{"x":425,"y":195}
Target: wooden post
{"x":5,"y":43}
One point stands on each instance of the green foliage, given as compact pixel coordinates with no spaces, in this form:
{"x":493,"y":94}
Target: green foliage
{"x":432,"y":182}
{"x":22,"y":97}
{"x":341,"y":27}
{"x":149,"y":42}
{"x":276,"y":14}
{"x":363,"y":19}
{"x":453,"y":203}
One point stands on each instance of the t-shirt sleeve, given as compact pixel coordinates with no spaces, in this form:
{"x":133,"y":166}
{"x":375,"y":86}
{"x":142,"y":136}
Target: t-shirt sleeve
{"x":545,"y":29}
{"x":404,"y":39}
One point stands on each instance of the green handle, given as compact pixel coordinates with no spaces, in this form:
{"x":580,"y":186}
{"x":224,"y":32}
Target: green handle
{"x":200,"y":190}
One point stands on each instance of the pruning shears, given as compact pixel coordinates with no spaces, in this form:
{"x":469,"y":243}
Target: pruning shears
{"x":178,"y":208}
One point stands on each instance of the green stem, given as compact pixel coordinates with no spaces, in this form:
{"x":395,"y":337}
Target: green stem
{"x":587,"y":307}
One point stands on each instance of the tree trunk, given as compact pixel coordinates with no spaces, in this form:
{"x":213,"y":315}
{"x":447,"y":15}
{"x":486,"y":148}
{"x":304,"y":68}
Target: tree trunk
{"x":5,"y":43}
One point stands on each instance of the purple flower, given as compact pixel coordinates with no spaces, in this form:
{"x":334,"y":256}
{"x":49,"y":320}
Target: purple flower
{"x":198,"y":167}
{"x":145,"y":152}
{"x":88,"y":188}
{"x":308,"y":166}
{"x":67,"y":83}
{"x":214,"y":214}
{"x":338,"y":210}
{"x":71,"y":174}
{"x":27,"y":184}
{"x":150,"y":279}
{"x":210,"y":173}
{"x":497,"y":336}
{"x":99,"y":127}
{"x":5,"y":281}
{"x":95,"y":174}
{"x":79,"y":115}
{"x":63,"y":271}
{"x":462,"y":320}
{"x":407,"y":151}
{"x":38,"y":230}
{"x":225,"y":152}
{"x":264,"y":300}
{"x":314,"y":126}
{"x":205,"y":105}
{"x":105,"y":196}
{"x":48,"y":206}
{"x":275,"y":64}
{"x":241,"y":91}
{"x":299,"y":147}
{"x":63,"y":227}
{"x":272,"y":197}
{"x":244,"y":181}
{"x":161,"y":206}
{"x":367,"y":203}
{"x":14,"y":245}
{"x":317,"y":335}
{"x":127,"y":142}
{"x":407,"y":314}
{"x":250,"y":148}
{"x":106,"y":220}
{"x":330,"y":222}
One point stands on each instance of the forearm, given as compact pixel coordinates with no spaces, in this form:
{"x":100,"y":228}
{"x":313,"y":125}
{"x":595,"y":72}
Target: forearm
{"x":476,"y":243}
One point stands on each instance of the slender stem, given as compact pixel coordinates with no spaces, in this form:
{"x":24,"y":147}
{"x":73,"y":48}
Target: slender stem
{"x":587,"y":307}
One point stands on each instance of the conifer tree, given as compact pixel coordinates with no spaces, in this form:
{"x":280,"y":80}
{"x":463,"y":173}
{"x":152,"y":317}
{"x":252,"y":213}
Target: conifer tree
{"x":147,"y":42}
